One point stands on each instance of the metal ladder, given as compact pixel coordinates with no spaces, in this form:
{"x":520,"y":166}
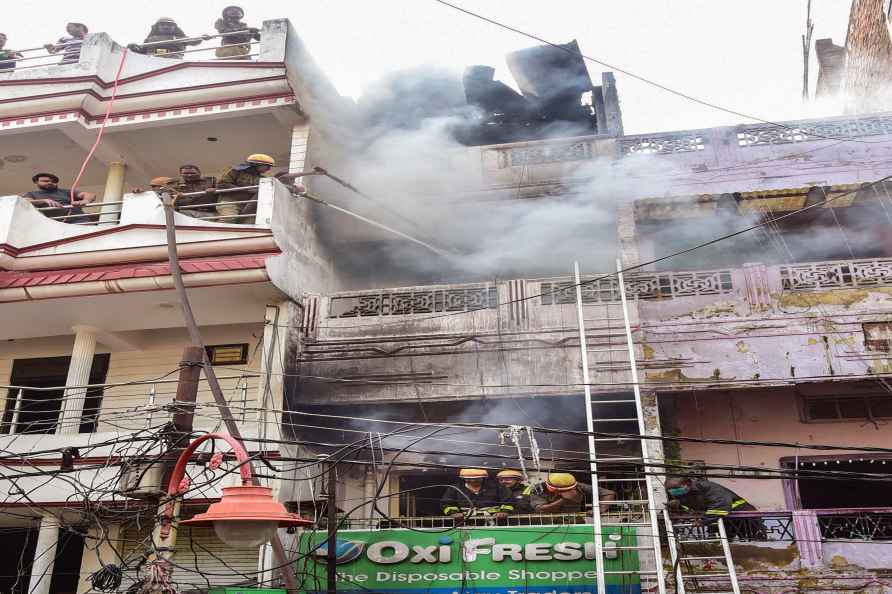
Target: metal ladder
{"x":694,"y":572}
{"x":633,"y":508}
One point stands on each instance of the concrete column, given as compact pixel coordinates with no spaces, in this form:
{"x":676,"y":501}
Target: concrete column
{"x":650,"y":406}
{"x":628,"y":236}
{"x":279,"y":320}
{"x":300,"y":139}
{"x":78,"y":375}
{"x":109,"y":538}
{"x":109,"y":214}
{"x":44,"y":556}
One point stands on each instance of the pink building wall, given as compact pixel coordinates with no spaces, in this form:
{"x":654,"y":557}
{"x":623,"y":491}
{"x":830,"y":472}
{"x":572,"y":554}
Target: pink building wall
{"x":760,"y":415}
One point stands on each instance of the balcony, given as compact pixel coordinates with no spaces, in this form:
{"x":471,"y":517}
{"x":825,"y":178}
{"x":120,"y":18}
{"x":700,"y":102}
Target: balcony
{"x":699,"y":329}
{"x":746,"y":157}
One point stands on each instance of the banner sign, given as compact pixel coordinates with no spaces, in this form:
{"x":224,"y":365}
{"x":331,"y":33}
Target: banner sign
{"x":510,"y":560}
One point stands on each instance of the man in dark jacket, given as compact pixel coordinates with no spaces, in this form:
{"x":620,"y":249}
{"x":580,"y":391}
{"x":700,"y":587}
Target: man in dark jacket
{"x":704,"y":497}
{"x":476,"y":494}
{"x":165,"y":29}
{"x":518,"y":492}
{"x":237,"y":35}
{"x":713,"y":501}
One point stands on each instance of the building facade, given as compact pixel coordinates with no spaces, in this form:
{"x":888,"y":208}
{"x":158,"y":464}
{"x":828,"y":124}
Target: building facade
{"x":437,"y":322}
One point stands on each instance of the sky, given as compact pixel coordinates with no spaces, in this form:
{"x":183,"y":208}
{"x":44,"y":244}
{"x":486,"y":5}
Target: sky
{"x":744,"y":56}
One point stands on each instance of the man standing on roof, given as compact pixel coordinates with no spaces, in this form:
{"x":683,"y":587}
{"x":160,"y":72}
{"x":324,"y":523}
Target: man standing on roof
{"x":237,"y":36}
{"x":164,"y":29}
{"x":476,"y":494}
{"x":69,"y":46}
{"x":518,"y":492}
{"x":49,"y":194}
{"x":7,"y":57}
{"x":561,"y":493}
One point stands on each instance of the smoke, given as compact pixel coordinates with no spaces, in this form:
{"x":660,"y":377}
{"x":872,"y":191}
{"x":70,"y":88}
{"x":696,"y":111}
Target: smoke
{"x":405,"y":152}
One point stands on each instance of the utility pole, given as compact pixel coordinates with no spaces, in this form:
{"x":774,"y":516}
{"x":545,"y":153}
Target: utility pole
{"x":168,"y":198}
{"x":331,"y":568}
{"x":164,"y":534}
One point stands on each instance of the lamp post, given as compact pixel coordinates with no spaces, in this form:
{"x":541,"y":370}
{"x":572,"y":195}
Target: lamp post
{"x":245,"y":516}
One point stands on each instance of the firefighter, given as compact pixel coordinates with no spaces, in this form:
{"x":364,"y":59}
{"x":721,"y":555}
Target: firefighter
{"x":476,"y":495}
{"x":244,"y":174}
{"x":518,"y":492}
{"x":561,"y":493}
{"x":704,"y":497}
{"x":165,"y":29}
{"x":236,"y":35}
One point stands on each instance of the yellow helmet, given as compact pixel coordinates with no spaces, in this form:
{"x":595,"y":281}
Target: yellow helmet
{"x":473,"y":473}
{"x":561,"y":481}
{"x":509,"y":473}
{"x":160,"y":181}
{"x":261,"y":159}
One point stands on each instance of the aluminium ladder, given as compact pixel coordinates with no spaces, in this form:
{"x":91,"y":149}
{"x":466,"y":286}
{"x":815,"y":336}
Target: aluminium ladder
{"x":634,"y":507}
{"x":701,"y":571}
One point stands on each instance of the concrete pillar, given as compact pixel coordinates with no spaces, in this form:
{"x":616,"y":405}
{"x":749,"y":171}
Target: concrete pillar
{"x":95,"y":555}
{"x":78,"y":375}
{"x":300,"y":139}
{"x":109,"y":214}
{"x":44,"y":556}
{"x":628,"y":236}
{"x":650,"y":406}
{"x":279,"y":320}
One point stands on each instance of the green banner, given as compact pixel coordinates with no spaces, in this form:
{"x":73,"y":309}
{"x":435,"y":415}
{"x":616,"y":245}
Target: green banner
{"x":510,"y":560}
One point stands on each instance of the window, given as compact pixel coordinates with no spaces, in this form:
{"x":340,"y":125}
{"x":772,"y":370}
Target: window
{"x":228,"y":354}
{"x":37,"y":411}
{"x":847,"y":408}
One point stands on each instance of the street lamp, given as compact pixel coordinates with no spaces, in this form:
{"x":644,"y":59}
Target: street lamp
{"x":246,"y":515}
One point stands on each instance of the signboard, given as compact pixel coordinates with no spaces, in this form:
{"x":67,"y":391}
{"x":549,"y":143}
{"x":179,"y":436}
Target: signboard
{"x":510,"y":560}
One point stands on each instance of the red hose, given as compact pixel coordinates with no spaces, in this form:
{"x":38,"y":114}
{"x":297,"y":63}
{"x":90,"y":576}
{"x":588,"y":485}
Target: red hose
{"x":108,"y":111}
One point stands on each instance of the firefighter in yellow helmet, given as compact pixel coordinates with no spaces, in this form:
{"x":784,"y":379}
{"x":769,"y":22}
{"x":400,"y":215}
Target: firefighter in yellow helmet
{"x":242,"y":175}
{"x":476,"y":494}
{"x":518,"y":492}
{"x":561,"y":493}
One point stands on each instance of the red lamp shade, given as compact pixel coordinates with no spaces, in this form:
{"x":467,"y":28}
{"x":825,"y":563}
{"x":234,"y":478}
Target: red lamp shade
{"x":246,"y":516}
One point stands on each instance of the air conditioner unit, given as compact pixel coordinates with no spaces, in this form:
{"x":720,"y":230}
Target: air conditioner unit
{"x":142,"y":480}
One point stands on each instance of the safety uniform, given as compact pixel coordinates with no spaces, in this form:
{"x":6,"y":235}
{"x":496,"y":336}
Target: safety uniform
{"x":519,"y":496}
{"x":240,"y":43}
{"x":542,"y":496}
{"x":239,"y":176}
{"x":712,"y":499}
{"x":491,"y":498}
{"x":198,"y":207}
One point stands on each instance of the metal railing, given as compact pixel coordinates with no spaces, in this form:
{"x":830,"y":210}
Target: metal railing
{"x":749,"y":526}
{"x":869,"y":524}
{"x":126,"y":406}
{"x":478,"y":521}
{"x":47,"y":58}
{"x":92,"y":214}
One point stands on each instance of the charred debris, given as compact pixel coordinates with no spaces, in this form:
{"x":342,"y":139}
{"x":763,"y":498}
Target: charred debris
{"x":557,"y":99}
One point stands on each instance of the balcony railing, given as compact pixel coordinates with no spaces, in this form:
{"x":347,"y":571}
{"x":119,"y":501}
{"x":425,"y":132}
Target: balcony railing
{"x":873,"y":524}
{"x":126,"y":406}
{"x":40,"y":57}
